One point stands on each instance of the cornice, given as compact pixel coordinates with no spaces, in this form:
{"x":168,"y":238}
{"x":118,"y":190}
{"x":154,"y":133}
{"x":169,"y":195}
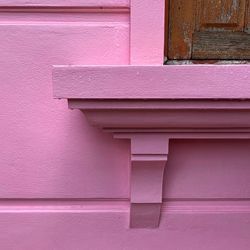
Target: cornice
{"x":150,"y":105}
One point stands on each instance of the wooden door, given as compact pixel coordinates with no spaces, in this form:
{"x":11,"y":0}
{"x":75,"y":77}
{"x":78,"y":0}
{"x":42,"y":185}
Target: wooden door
{"x":209,"y":29}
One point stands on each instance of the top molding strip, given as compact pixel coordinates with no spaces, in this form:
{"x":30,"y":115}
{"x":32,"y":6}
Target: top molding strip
{"x":66,"y":3}
{"x":152,"y":82}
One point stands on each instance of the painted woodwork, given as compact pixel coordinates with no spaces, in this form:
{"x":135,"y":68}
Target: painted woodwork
{"x":37,"y":157}
{"x":151,"y":119}
{"x":153,"y":12}
{"x":173,"y":81}
{"x":63,"y":3}
{"x":67,"y":184}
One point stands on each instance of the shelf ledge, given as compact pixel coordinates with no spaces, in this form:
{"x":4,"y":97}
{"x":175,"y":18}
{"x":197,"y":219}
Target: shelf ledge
{"x":150,"y":105}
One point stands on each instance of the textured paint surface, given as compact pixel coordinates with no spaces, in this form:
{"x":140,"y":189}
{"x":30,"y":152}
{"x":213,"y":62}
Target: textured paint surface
{"x":52,"y":155}
{"x":49,"y":151}
{"x":170,"y":82}
{"x":184,"y":226}
{"x":147,"y":48}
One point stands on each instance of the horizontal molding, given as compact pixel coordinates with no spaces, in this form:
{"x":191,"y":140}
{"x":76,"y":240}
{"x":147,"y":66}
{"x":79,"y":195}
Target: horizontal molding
{"x":207,"y":206}
{"x":192,"y":135}
{"x":63,"y":3}
{"x":84,"y":25}
{"x":158,"y":104}
{"x":48,"y":10}
{"x":64,"y":231}
{"x":169,"y":119}
{"x":65,"y":16}
{"x":176,"y":130}
{"x":152,"y":82}
{"x":112,"y":206}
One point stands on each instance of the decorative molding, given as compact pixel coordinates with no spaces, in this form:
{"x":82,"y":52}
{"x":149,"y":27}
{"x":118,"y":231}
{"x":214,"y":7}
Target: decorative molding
{"x":136,"y":103}
{"x":153,"y":82}
{"x":63,"y":3}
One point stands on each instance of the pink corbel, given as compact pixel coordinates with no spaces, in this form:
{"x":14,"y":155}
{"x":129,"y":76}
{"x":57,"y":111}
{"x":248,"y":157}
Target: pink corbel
{"x":149,"y":153}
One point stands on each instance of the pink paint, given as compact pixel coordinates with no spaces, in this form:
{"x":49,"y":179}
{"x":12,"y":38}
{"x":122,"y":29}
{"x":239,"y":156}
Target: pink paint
{"x":170,"y":82}
{"x":50,"y":153}
{"x":67,"y":184}
{"x":65,"y":3}
{"x":150,"y":124}
{"x":146,"y":41}
{"x":199,"y":225}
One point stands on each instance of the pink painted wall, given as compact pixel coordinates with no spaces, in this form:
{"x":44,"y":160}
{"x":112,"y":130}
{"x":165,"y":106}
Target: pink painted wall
{"x":64,"y":185}
{"x":50,"y":151}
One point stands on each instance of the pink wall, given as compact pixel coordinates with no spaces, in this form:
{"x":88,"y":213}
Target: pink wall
{"x":64,"y":185}
{"x":50,"y":151}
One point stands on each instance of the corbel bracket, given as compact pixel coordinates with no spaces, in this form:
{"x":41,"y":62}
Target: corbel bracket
{"x":149,"y":154}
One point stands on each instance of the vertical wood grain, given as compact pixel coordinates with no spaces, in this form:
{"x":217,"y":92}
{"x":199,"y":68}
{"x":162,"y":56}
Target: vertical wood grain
{"x":220,"y":23}
{"x":166,"y":27}
{"x":247,"y":17}
{"x":224,"y":14}
{"x":181,"y":28}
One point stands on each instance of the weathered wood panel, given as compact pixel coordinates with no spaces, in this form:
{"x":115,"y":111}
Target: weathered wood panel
{"x":210,"y":29}
{"x":247,"y":18}
{"x":181,"y":27}
{"x":223,"y":14}
{"x":221,"y":45}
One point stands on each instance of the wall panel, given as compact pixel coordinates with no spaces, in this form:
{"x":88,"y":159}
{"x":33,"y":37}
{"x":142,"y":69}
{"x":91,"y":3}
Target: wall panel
{"x":48,"y":150}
